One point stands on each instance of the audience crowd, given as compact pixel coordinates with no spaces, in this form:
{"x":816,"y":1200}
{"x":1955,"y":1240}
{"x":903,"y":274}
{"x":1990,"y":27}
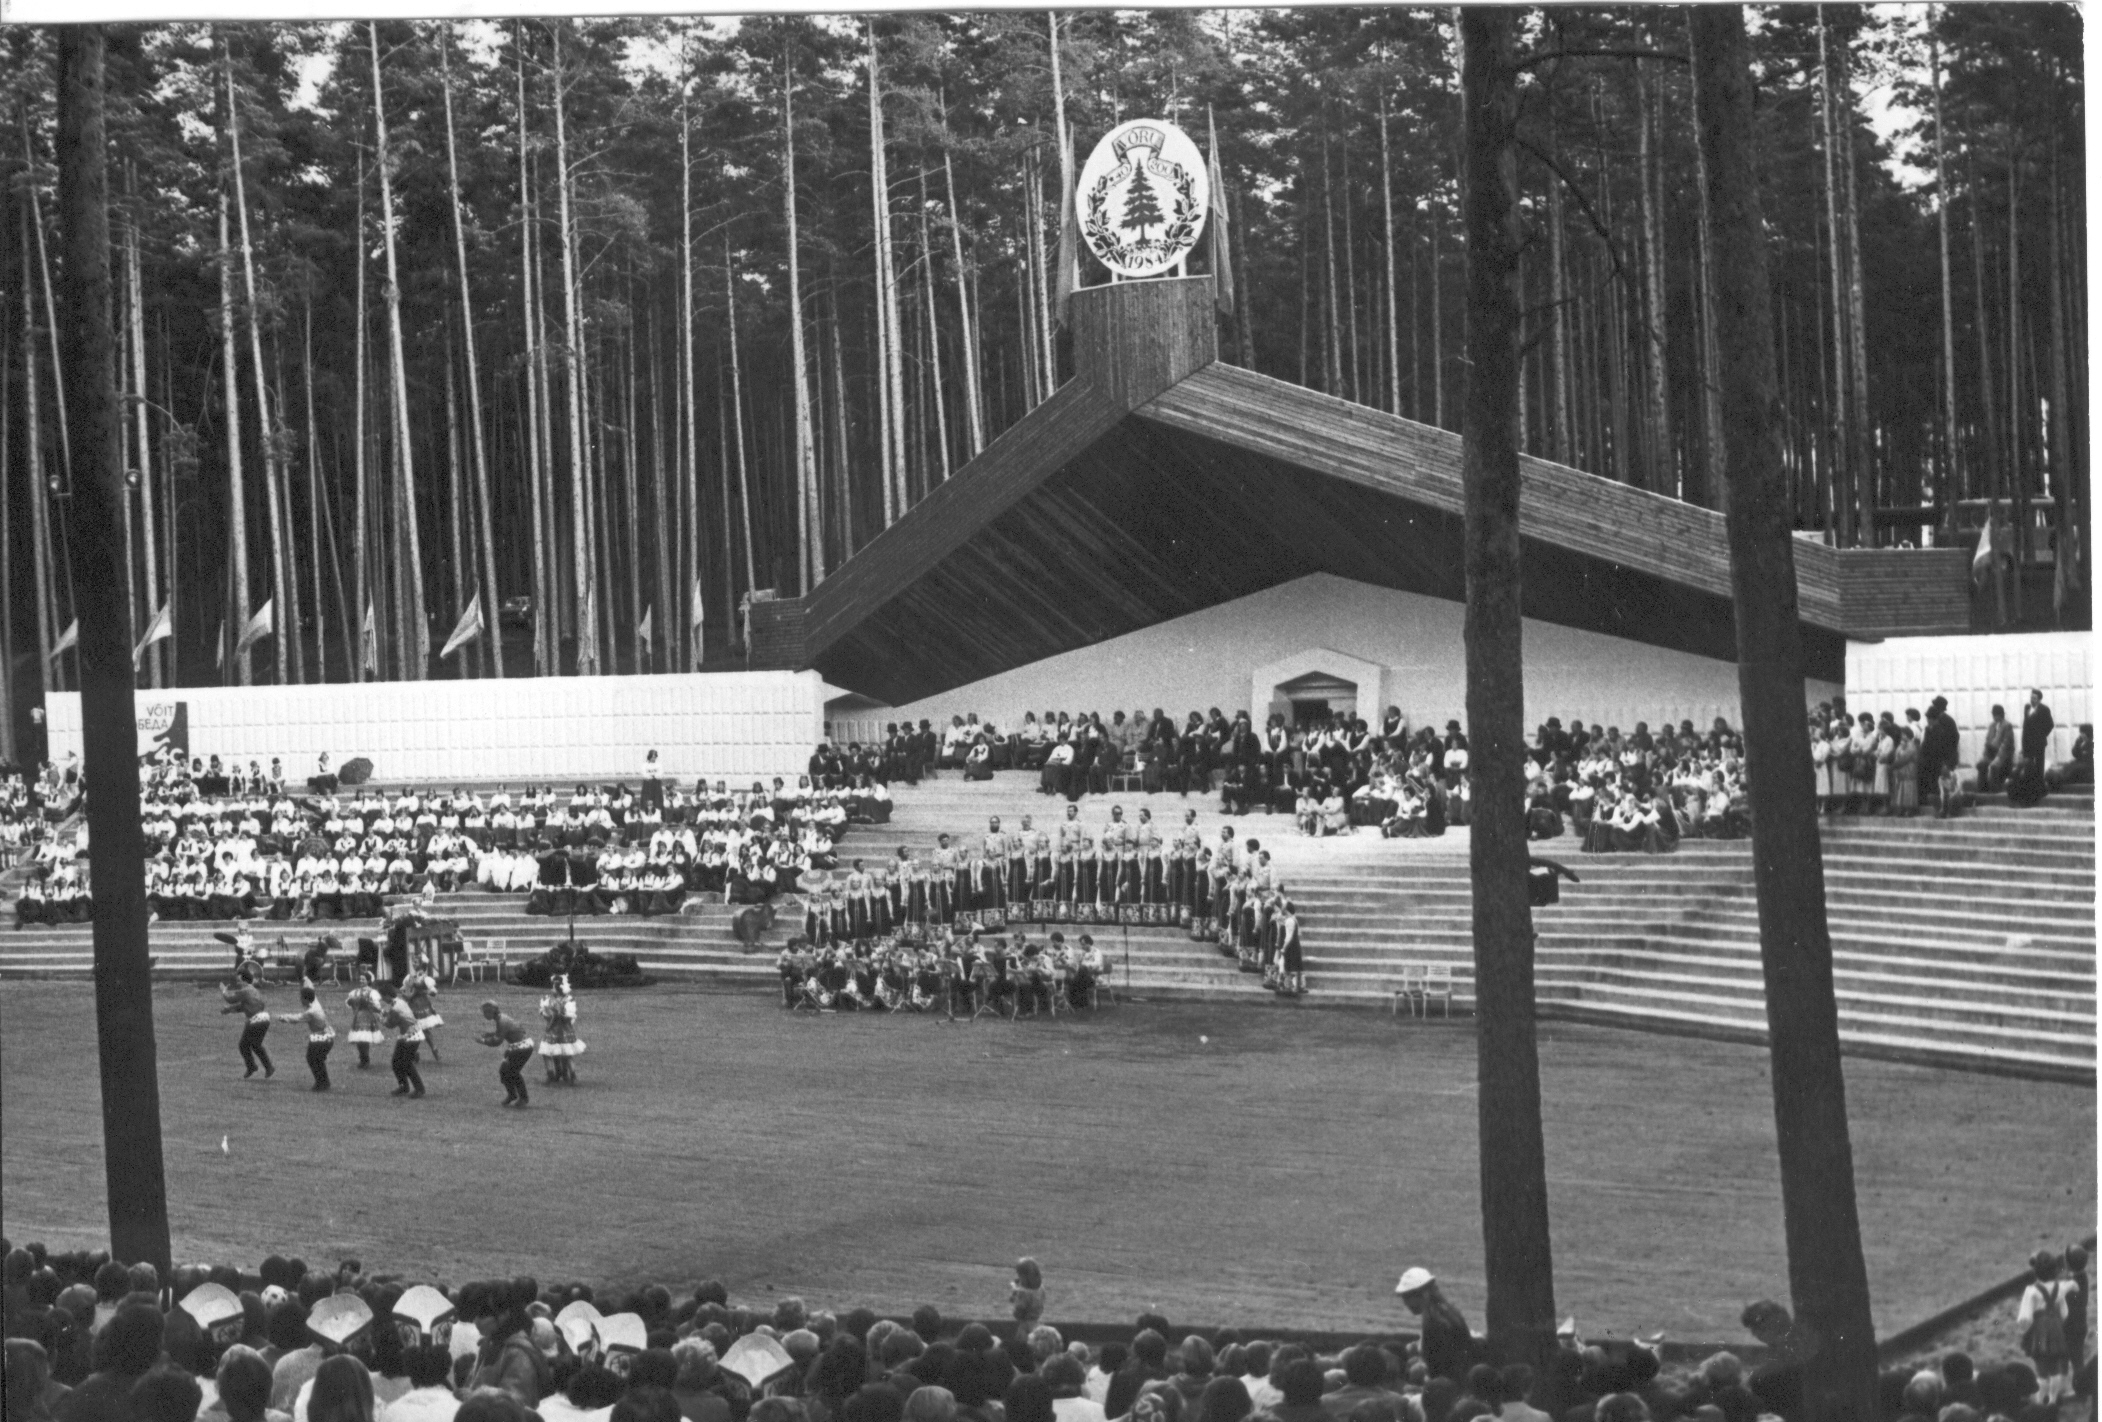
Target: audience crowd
{"x":226,"y":842}
{"x":90,"y":1340}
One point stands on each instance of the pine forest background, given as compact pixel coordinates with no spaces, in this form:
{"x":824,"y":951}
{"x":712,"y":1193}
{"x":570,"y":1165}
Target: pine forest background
{"x":603,"y":319}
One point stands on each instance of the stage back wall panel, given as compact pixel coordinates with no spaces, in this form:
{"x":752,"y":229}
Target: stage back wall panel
{"x":1206,"y":659}
{"x":1977,"y":673}
{"x":727,"y":725}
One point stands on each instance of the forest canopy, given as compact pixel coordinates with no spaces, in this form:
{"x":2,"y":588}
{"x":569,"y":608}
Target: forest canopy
{"x":596,"y":323}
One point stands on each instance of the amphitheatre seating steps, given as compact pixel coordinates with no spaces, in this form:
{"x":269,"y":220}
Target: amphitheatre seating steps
{"x":1969,"y":942}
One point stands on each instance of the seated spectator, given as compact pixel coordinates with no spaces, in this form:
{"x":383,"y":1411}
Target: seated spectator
{"x":2079,"y":767}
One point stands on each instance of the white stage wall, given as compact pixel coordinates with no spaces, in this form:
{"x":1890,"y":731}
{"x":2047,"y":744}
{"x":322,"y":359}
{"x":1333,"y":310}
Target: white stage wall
{"x":1210,"y":658}
{"x":734,"y":725}
{"x":1977,"y":673}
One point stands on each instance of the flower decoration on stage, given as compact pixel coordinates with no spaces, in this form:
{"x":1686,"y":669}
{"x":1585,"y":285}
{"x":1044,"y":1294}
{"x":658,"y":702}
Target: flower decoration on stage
{"x":1143,"y":196}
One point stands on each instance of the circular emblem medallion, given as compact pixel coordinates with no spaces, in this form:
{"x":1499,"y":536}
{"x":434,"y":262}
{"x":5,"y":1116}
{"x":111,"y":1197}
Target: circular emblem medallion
{"x":1143,"y":197}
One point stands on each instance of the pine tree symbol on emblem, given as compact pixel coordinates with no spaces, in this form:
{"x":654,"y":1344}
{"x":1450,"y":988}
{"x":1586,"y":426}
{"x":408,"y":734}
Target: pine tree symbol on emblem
{"x":1141,"y":208}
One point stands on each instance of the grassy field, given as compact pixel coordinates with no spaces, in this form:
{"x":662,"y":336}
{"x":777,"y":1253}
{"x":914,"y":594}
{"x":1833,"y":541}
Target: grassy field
{"x":1226,"y":1166}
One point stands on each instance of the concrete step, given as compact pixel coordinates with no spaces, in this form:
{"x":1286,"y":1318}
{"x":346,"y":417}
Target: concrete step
{"x":1890,"y":1022}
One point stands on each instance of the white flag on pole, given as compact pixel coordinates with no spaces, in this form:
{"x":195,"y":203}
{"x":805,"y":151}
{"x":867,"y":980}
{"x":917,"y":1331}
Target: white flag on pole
{"x":643,"y":631}
{"x":469,"y":628}
{"x":259,"y":627}
{"x":159,"y":629}
{"x":68,"y":639}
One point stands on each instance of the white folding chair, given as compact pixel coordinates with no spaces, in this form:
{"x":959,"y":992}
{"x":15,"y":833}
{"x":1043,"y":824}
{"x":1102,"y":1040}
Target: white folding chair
{"x":1437,"y":983}
{"x":1411,"y":990}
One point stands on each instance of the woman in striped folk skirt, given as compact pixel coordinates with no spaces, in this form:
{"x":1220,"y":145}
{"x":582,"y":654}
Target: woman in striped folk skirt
{"x":365,"y":1009}
{"x":559,"y":1047}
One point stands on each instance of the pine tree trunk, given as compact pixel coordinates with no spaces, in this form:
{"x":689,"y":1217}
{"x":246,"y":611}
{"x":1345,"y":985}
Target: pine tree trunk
{"x":2017,"y":471}
{"x":890,"y":331}
{"x":810,"y":525}
{"x":1951,"y":474}
{"x":237,"y":494}
{"x":671,"y":610}
{"x":539,"y":457}
{"x":973,"y":398}
{"x":1864,"y":450}
{"x":1827,"y":1276}
{"x":1386,"y":187}
{"x":314,"y":495}
{"x":1354,"y":367}
{"x":51,"y":327}
{"x":631,"y":489}
{"x":744,"y":481}
{"x":934,"y":337}
{"x":39,"y":496}
{"x":149,"y":522}
{"x":689,"y":375}
{"x":1657,"y":473}
{"x":417,"y":651}
{"x":8,"y":750}
{"x":2065,"y":453}
{"x":285,"y":636}
{"x":1564,"y":445}
{"x":131,"y":1117}
{"x":1437,"y":371}
{"x":1704,"y":477}
{"x":1845,"y":474}
{"x":361,"y":562}
{"x":1334,"y":381}
{"x":492,"y":597}
{"x":573,"y":322}
{"x":1517,"y":1251}
{"x":843,"y":459}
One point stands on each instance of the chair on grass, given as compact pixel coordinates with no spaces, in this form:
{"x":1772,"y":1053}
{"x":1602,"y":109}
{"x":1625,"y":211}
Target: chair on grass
{"x":1437,"y":983}
{"x":1412,"y":989}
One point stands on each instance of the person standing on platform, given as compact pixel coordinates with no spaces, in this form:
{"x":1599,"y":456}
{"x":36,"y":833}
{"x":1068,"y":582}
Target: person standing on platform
{"x":321,"y":1036}
{"x":1153,"y":874}
{"x":517,"y":1046}
{"x":366,"y":1010}
{"x":243,"y":997}
{"x":1291,"y":965}
{"x":408,"y":1042}
{"x":421,"y":989}
{"x":989,"y":873}
{"x":1182,"y":868}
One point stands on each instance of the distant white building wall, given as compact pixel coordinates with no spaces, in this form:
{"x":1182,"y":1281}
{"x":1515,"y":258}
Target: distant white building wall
{"x":1976,"y":673}
{"x":729,"y":725}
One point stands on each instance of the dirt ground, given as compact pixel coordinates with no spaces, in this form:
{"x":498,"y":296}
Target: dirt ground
{"x":1225,"y":1166}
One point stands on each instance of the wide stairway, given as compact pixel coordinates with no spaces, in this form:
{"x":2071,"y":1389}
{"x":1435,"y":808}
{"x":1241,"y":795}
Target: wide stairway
{"x":1967,"y":942}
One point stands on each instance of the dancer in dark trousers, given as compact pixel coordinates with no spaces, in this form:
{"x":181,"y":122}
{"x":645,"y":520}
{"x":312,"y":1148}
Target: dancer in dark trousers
{"x":408,"y":1042}
{"x":242,"y":996}
{"x":517,"y":1048}
{"x":321,"y":1036}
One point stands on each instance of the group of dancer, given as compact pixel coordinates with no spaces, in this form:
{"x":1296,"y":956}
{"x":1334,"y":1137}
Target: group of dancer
{"x":950,"y":974}
{"x":1121,"y":872}
{"x":408,"y":1014}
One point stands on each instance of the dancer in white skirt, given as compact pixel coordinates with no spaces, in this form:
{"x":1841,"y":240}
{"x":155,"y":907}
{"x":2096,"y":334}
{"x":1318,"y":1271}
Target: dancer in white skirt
{"x":421,"y":991}
{"x":366,"y":1010}
{"x":559,"y":1047}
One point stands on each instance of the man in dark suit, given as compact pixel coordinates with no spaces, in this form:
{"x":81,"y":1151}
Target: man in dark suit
{"x":1939,"y":753}
{"x":2036,"y":729}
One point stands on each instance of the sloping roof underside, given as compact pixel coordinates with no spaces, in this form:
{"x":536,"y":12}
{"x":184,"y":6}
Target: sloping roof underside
{"x":1085,"y":522}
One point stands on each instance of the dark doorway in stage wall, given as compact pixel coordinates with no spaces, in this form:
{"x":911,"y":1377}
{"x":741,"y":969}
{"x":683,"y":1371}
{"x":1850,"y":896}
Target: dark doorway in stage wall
{"x":1309,"y":713}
